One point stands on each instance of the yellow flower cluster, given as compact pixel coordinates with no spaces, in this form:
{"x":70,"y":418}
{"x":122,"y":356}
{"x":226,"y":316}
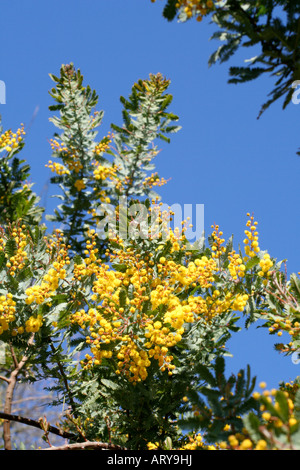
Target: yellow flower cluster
{"x":241,"y":441}
{"x":252,"y":249}
{"x":291,"y":327}
{"x":79,"y":185}
{"x":103,"y":197}
{"x":57,"y":147}
{"x":192,"y":8}
{"x":90,"y":263}
{"x":266,"y":264}
{"x":218,"y":241}
{"x":74,"y":164}
{"x":154,"y":180}
{"x":291,"y":388}
{"x":69,"y":157}
{"x":138,"y":315}
{"x":196,"y":7}
{"x":72,"y":161}
{"x":7,"y":311}
{"x":10,"y":140}
{"x":236,"y":266}
{"x":103,"y":146}
{"x":38,"y":293}
{"x":17,"y":261}
{"x":57,"y":168}
{"x":103,"y":172}
{"x":251,"y":242}
{"x":195,"y":442}
{"x":153,"y":445}
{"x":33,"y":324}
{"x":14,"y":263}
{"x":114,"y":321}
{"x":149,"y":181}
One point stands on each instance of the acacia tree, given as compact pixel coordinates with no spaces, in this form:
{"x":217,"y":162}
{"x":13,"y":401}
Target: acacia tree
{"x":124,"y":316}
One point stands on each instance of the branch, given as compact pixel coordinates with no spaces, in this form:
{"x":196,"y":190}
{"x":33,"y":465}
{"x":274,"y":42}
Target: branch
{"x":87,"y":445}
{"x":9,"y":394}
{"x":36,"y":424}
{"x":5,"y":379}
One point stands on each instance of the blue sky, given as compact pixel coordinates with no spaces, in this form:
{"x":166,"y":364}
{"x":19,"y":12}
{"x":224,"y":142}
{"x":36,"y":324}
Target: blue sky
{"x":223,"y":157}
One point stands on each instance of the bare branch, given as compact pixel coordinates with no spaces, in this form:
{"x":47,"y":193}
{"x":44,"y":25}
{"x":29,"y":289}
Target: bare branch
{"x":87,"y":445}
{"x":9,"y":394}
{"x":37,"y":424}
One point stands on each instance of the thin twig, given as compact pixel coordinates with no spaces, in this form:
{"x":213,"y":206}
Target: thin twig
{"x":65,"y":380}
{"x":5,"y":379}
{"x":36,"y":424}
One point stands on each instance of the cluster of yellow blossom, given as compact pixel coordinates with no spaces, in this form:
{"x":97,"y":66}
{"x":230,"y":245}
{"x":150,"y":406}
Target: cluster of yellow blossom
{"x":7,"y":311}
{"x":14,"y":263}
{"x":266,"y":264}
{"x":79,"y":185}
{"x":103,"y":172}
{"x":153,"y":445}
{"x":90,"y":264}
{"x":192,"y":8}
{"x":197,"y":8}
{"x":57,"y":147}
{"x":72,"y":161}
{"x":138,"y":314}
{"x":103,"y":197}
{"x":285,"y":324}
{"x":17,"y":261}
{"x":122,"y":183}
{"x":114,"y":320}
{"x":195,"y":442}
{"x":251,"y":242}
{"x":103,"y":146}
{"x":252,"y":249}
{"x":291,"y":388}
{"x":241,"y":441}
{"x":217,"y":248}
{"x":74,"y":164}
{"x":33,"y":324}
{"x":149,"y":182}
{"x":57,"y":168}
{"x":236,"y":266}
{"x":39,"y":292}
{"x":69,"y":157}
{"x":10,"y":140}
{"x":154,"y":180}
